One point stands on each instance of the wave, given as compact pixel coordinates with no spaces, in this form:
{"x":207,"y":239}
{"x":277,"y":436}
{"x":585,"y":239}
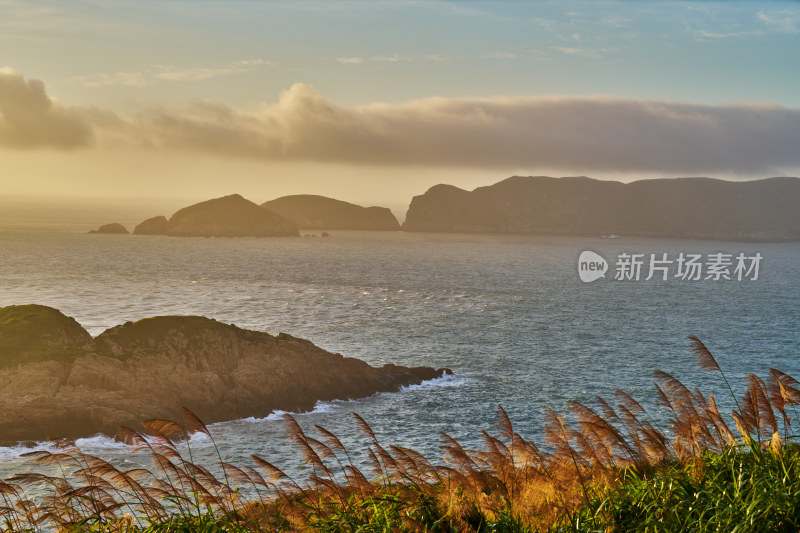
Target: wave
{"x":332,"y":406}
{"x":319,"y":408}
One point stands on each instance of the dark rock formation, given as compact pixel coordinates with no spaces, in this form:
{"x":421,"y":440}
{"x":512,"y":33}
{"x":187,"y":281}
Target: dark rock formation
{"x":697,"y":208}
{"x":152,"y":226}
{"x":319,"y":212}
{"x":112,"y":229}
{"x":229,"y":216}
{"x":77,"y":386}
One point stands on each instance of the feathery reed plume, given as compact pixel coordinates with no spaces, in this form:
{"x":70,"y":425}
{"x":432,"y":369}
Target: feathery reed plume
{"x":782,"y":392}
{"x":273,"y":473}
{"x":362,"y":425}
{"x":707,"y":361}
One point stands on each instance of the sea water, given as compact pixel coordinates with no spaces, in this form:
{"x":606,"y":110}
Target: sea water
{"x":507,"y":313}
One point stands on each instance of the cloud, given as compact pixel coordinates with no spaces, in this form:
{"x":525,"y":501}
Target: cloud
{"x":125,"y":79}
{"x":498,"y":55}
{"x":582,"y":52}
{"x":592,"y":133}
{"x":159,"y":73}
{"x":729,"y":35}
{"x":574,"y":134}
{"x":783,"y":22}
{"x":349,"y":60}
{"x":394,"y":58}
{"x":31,"y":119}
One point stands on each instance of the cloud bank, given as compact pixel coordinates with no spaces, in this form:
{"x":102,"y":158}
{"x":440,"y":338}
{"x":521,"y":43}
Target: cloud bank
{"x":569,"y":133}
{"x":31,"y":119}
{"x":586,"y":134}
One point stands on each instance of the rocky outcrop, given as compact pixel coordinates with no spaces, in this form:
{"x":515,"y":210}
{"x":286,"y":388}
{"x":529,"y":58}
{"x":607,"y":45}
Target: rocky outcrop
{"x":153,"y":367}
{"x":319,"y":212}
{"x":112,"y":229}
{"x":229,"y":216}
{"x":30,"y":333}
{"x":697,"y":208}
{"x":152,"y":226}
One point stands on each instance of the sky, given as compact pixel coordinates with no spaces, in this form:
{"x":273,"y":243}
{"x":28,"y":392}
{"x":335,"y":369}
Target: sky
{"x":374,"y":102}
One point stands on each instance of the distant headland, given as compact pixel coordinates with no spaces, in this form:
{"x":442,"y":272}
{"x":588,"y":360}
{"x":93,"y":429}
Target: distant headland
{"x":692,"y":208}
{"x":58,"y":381}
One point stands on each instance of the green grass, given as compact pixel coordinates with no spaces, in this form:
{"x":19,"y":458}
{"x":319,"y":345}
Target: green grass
{"x":734,"y":490}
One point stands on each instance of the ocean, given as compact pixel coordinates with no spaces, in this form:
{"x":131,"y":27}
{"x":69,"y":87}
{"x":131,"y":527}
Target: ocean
{"x":507,"y":313}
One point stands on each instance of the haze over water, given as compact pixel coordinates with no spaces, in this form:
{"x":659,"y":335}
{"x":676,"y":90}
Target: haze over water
{"x":508,"y":314}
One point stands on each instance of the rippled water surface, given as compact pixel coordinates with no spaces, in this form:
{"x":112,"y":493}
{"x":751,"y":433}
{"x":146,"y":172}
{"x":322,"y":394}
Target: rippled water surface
{"x":507,"y":313}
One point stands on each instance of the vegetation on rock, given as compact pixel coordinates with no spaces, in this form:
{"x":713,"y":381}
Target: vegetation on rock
{"x":36,"y":333}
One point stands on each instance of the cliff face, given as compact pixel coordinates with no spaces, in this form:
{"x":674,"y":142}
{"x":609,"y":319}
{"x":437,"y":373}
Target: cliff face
{"x":318,"y":212}
{"x":152,"y":368}
{"x":701,"y":208}
{"x":229,"y":216}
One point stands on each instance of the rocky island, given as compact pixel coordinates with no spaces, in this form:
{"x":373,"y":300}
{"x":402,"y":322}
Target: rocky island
{"x":229,"y":216}
{"x":694,"y":208}
{"x":58,"y":381}
{"x":114,"y":228}
{"x":319,"y":212}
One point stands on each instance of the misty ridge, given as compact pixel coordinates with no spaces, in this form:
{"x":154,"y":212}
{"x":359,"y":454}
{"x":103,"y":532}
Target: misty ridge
{"x":688,"y":208}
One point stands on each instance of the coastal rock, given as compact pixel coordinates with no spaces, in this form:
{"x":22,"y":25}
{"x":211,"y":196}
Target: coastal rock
{"x":152,"y":226}
{"x":319,"y":212}
{"x":112,"y":229}
{"x":695,"y":208}
{"x":154,"y":367}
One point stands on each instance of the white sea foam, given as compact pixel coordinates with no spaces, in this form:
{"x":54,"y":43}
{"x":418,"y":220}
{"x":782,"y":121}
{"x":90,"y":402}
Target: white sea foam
{"x":319,"y":408}
{"x":14,"y":453}
{"x":99,"y":442}
{"x":446,"y":381}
